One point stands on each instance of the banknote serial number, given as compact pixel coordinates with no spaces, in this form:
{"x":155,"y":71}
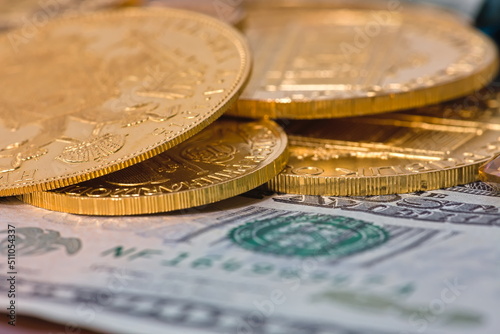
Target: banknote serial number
{"x":11,"y":274}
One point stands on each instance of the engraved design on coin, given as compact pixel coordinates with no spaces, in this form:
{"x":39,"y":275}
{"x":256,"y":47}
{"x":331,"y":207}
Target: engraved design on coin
{"x":215,"y":155}
{"x":210,"y":149}
{"x":36,"y":241}
{"x":309,"y":235}
{"x":12,"y":156}
{"x":147,"y":112}
{"x":155,"y":171}
{"x":93,"y":150}
{"x":136,"y":97}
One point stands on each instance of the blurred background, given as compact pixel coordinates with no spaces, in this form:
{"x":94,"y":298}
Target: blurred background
{"x":485,"y":14}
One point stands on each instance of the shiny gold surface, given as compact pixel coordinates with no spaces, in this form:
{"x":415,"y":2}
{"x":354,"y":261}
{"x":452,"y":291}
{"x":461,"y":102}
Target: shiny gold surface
{"x":327,"y":61}
{"x":490,"y":173}
{"x":32,"y":14}
{"x":226,"y":159}
{"x":93,"y":94}
{"x":435,"y":147}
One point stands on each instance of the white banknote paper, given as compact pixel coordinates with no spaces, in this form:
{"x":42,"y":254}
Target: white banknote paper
{"x":260,"y":263}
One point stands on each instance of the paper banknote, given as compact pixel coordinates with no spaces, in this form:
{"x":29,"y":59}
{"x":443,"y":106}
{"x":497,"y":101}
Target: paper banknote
{"x":261,"y":263}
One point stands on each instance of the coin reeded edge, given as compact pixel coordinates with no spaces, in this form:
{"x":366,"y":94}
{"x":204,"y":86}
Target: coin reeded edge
{"x":374,"y":185}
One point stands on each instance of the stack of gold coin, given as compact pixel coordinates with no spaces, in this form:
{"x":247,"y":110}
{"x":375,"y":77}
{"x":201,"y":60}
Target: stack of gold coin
{"x":417,"y":150}
{"x":96,"y":93}
{"x":226,"y":159}
{"x":115,"y":112}
{"x":351,"y":59}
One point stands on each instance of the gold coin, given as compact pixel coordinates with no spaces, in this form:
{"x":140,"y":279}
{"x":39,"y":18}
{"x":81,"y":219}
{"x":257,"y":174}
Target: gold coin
{"x":229,"y":11}
{"x":32,"y":14}
{"x":226,"y":159}
{"x":89,"y":95}
{"x":326,"y":61}
{"x":431,"y":148}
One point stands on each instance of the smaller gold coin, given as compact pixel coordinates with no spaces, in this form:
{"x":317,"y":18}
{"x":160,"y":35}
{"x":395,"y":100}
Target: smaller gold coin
{"x":32,"y":14}
{"x":430,"y":148}
{"x":226,"y":159}
{"x":332,"y":59}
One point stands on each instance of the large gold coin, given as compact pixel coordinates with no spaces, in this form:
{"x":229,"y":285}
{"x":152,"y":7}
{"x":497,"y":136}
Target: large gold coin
{"x":226,"y":159}
{"x":93,"y":94}
{"x":323,"y":61}
{"x":436,"y":147}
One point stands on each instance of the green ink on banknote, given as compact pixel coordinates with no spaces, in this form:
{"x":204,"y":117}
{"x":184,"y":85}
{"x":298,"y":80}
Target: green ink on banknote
{"x":381,"y":304}
{"x":309,"y":235}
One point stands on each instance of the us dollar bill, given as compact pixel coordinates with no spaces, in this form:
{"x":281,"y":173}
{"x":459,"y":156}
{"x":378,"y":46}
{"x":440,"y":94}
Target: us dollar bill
{"x":426,"y":262}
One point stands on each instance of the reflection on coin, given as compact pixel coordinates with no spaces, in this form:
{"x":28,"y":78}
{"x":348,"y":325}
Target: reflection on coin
{"x":229,"y":11}
{"x":436,"y":147}
{"x":324,"y":61}
{"x":224,"y":160}
{"x":490,"y":173}
{"x":31,"y":14}
{"x":112,"y":89}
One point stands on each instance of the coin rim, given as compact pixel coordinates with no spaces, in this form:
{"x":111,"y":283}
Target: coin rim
{"x":172,"y":201}
{"x":83,"y":175}
{"x":375,"y":185}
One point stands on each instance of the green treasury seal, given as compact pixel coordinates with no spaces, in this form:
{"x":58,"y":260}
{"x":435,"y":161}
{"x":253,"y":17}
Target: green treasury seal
{"x":308,"y":235}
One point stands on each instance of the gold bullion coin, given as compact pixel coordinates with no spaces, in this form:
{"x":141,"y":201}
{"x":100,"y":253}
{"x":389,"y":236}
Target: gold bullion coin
{"x":436,"y":147}
{"x":229,"y":11}
{"x":226,"y":159}
{"x":31,"y":14}
{"x":318,"y":60}
{"x":89,"y":95}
